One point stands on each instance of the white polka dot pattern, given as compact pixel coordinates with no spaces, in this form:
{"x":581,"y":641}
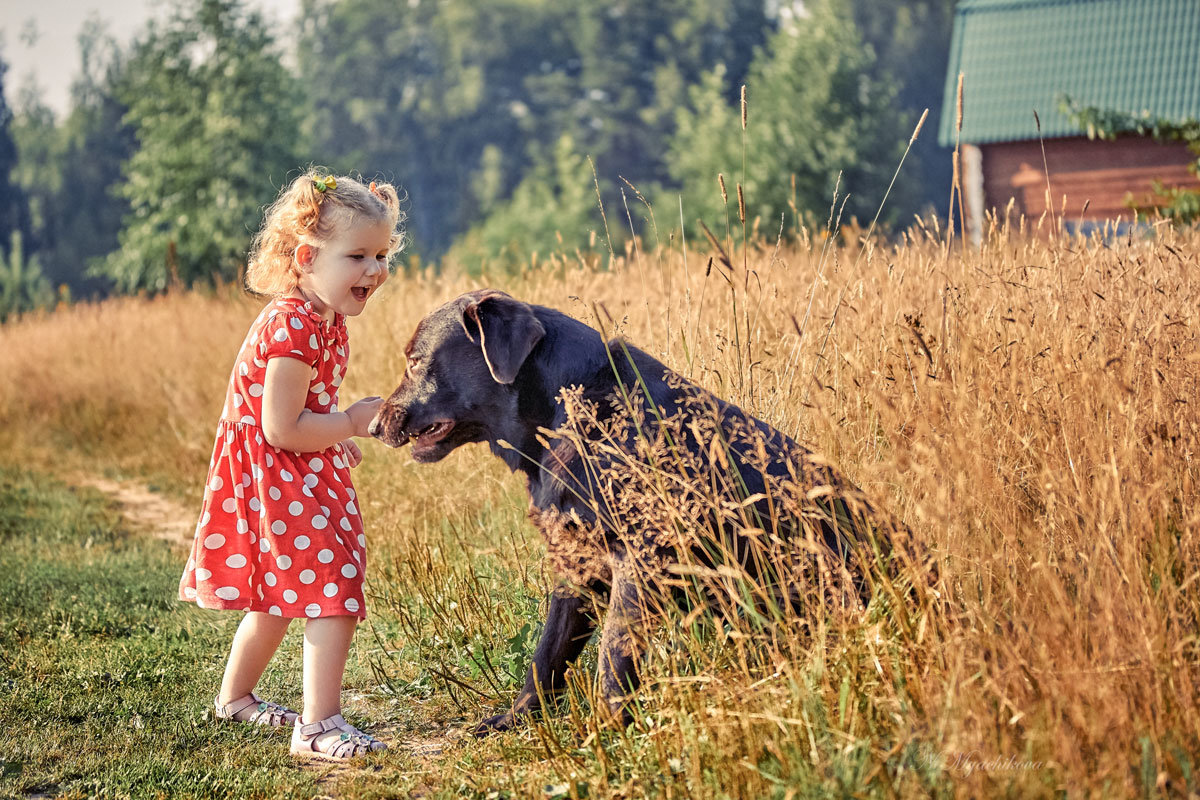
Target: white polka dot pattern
{"x":264,"y":542}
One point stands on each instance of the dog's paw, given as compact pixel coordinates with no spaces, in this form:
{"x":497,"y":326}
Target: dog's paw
{"x":497,"y":724}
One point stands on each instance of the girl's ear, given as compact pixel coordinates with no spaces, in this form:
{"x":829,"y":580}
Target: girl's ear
{"x":304,"y":255}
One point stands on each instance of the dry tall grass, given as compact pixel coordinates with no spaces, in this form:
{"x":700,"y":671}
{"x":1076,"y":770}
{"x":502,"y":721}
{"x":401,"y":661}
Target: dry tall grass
{"x":1027,"y":408}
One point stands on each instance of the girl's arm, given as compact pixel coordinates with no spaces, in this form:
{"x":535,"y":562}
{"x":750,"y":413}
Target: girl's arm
{"x":288,"y":425}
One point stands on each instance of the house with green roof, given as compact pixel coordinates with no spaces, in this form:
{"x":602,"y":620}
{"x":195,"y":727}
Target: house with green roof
{"x":1018,"y":57}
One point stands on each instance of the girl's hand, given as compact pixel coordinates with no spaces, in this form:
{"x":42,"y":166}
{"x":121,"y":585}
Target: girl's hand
{"x":362,"y":412}
{"x":288,"y":425}
{"x":352,"y":452}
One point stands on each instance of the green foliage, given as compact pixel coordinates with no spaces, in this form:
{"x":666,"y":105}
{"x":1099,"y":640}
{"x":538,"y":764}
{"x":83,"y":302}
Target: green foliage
{"x":96,"y":143}
{"x":491,"y":88}
{"x":1176,"y":203}
{"x":35,"y":177}
{"x":67,"y":172}
{"x":814,"y":111}
{"x":106,"y":676}
{"x":911,"y":41}
{"x":217,"y":123}
{"x":174,"y":145}
{"x":419,"y":93}
{"x":553,"y":208}
{"x":636,"y":62}
{"x":23,"y":286}
{"x":10,"y":201}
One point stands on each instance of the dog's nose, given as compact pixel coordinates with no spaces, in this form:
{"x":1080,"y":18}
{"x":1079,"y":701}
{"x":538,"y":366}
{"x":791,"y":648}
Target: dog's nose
{"x":389,"y":418}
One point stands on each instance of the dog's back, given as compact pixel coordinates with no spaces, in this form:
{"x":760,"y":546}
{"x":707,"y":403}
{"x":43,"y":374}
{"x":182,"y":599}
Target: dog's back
{"x":651,"y":463}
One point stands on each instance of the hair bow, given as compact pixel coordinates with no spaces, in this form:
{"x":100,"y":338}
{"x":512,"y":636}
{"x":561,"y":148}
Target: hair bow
{"x":326,"y":183}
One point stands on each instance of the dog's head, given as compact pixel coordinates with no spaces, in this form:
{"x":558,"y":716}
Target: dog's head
{"x":462,"y":361}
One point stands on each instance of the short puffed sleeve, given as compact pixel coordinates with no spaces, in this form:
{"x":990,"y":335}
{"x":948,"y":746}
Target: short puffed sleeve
{"x":290,"y":336}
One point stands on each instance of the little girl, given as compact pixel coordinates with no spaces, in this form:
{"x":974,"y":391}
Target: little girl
{"x":280,"y":535}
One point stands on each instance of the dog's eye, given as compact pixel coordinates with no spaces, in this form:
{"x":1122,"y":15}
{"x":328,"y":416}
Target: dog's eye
{"x":412,"y":363}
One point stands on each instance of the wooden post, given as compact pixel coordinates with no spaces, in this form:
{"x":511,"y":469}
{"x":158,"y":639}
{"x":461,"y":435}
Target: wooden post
{"x":972,"y":189}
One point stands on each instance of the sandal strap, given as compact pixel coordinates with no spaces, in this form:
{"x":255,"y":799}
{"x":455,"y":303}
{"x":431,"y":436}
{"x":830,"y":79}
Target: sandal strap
{"x":276,"y":714}
{"x":235,"y":706}
{"x":266,"y":713}
{"x":349,"y":743}
{"x":352,"y":744}
{"x":314,"y":729}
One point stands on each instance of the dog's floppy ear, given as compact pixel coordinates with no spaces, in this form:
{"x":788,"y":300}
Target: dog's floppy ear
{"x":508,"y":332}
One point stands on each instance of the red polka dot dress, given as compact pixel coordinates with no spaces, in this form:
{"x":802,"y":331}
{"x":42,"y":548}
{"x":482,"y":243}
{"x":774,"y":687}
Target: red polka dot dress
{"x":279,"y":532}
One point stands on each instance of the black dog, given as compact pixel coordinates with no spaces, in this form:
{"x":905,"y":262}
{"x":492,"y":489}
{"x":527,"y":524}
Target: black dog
{"x":642,"y":483}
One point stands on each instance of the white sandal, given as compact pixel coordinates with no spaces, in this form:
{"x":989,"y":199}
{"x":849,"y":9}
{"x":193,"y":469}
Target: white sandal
{"x":332,"y":739}
{"x":270,"y":714}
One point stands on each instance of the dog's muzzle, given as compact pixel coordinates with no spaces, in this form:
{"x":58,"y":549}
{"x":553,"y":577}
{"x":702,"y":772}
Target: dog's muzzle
{"x":388,"y":426}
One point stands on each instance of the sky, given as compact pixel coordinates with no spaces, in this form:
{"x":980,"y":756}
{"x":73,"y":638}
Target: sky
{"x":38,"y":37}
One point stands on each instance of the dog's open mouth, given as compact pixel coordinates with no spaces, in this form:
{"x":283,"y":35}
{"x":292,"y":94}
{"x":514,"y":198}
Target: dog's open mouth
{"x":424,"y":440}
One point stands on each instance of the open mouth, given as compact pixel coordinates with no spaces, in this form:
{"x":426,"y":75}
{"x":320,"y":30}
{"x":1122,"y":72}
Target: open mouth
{"x":428,"y":437}
{"x":361,"y":293}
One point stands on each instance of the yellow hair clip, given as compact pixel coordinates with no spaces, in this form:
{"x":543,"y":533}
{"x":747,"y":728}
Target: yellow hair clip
{"x":327,"y":183}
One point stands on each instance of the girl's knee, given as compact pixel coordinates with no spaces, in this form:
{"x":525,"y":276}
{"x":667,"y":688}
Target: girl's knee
{"x":319,"y":628}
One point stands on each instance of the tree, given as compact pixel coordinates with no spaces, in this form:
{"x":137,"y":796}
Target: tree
{"x":636,"y":62}
{"x":68,"y":171}
{"x":911,"y":43}
{"x":814,"y":111}
{"x":22,"y":284}
{"x":461,"y":101}
{"x":624,"y":68}
{"x":552,"y":208}
{"x":420,"y":91}
{"x":216,"y":117}
{"x":11,"y":211}
{"x":35,"y":179}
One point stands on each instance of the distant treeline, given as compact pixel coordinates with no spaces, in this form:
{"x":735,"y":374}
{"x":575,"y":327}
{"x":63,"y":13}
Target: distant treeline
{"x":502,"y":120}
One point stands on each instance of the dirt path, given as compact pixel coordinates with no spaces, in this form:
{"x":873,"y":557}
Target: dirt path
{"x":163,"y":518}
{"x":170,"y":521}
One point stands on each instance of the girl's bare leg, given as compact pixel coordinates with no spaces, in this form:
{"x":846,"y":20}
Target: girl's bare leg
{"x":326,"y":646}
{"x":256,"y":640}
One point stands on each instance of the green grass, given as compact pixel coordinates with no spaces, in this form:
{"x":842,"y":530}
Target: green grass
{"x":107,"y":679}
{"x":108,"y":682}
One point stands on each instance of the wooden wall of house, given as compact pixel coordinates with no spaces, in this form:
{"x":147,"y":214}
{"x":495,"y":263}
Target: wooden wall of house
{"x":1102,"y":174}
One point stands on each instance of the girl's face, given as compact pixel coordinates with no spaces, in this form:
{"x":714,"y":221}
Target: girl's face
{"x":339,"y":276}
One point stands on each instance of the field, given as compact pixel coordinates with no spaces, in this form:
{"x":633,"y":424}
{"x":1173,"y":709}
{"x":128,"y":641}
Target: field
{"x":1027,"y":407}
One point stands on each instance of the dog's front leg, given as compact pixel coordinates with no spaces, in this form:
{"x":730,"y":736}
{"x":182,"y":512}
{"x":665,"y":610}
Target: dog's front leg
{"x":622,"y":644}
{"x":569,"y":624}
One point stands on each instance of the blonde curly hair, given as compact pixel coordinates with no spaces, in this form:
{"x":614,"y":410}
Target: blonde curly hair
{"x":305,"y":214}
